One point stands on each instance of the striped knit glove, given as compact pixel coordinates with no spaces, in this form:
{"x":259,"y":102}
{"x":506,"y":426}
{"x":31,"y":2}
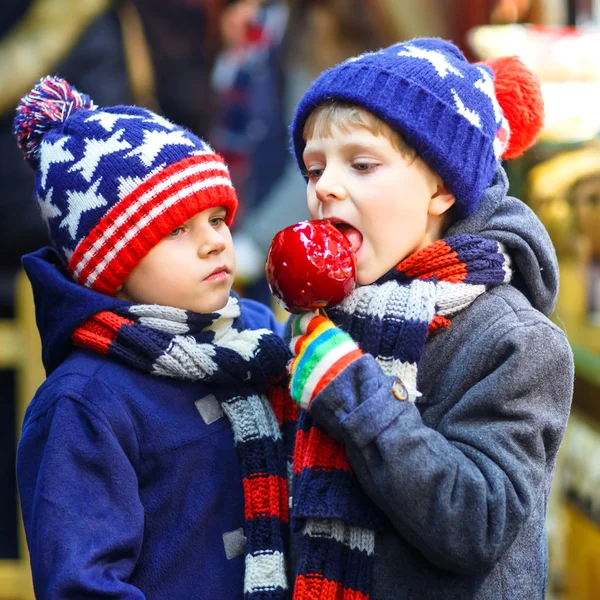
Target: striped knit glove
{"x":322,"y":351}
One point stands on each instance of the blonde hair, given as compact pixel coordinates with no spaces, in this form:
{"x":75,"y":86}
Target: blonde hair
{"x":344,"y":117}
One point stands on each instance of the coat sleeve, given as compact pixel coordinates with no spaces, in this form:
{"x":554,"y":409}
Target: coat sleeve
{"x":459,"y":493}
{"x":257,"y":316}
{"x":82,"y":513}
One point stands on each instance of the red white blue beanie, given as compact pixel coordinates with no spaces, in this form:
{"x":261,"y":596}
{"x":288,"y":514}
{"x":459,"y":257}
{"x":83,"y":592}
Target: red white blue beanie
{"x":113,"y":182}
{"x":461,"y":118}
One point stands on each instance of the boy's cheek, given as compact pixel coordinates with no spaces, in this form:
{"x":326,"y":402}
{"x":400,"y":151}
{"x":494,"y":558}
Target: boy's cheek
{"x":313,"y":209}
{"x":367,"y":271}
{"x":369,"y":268}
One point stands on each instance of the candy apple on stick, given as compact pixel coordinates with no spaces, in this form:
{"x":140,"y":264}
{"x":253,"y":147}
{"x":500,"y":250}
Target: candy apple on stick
{"x":310,"y":266}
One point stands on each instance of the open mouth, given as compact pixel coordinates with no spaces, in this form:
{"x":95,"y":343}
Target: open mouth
{"x":352,"y":234}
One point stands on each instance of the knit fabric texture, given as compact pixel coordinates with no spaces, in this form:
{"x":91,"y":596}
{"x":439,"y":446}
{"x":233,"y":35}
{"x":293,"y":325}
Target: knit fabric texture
{"x":111,"y":183}
{"x":215,"y":348}
{"x":323,"y":351}
{"x":442,"y":105}
{"x":390,"y":320}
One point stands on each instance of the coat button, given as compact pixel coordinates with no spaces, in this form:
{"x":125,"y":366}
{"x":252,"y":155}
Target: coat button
{"x":234,"y":543}
{"x":399,"y":390}
{"x":210,"y":409}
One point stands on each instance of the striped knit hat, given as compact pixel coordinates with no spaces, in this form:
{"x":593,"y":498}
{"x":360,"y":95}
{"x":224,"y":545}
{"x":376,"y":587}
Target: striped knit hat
{"x":461,"y":118}
{"x":111,"y":183}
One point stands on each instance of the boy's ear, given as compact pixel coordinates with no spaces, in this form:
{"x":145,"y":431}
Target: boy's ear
{"x":441,"y":200}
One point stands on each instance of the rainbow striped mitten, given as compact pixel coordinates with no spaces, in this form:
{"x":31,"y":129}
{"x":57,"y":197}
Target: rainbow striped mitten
{"x":322,"y":351}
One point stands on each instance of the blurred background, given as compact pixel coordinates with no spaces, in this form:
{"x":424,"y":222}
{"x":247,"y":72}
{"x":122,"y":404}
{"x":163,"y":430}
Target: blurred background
{"x":232,"y":71}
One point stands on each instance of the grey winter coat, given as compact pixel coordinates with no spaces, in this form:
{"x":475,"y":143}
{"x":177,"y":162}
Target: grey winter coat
{"x":464,"y":474}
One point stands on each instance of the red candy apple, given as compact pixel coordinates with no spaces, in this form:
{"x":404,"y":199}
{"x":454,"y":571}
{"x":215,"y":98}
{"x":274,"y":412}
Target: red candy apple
{"x":310,"y":266}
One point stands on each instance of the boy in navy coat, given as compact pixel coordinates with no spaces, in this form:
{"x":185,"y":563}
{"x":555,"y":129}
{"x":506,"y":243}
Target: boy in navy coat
{"x":150,"y":463}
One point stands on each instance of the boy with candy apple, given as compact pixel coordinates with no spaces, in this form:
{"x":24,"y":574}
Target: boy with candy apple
{"x":435,"y":396}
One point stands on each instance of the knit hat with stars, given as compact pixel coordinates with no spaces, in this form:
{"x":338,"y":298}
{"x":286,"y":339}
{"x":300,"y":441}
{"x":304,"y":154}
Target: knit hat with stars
{"x":111,"y":183}
{"x":461,"y":118}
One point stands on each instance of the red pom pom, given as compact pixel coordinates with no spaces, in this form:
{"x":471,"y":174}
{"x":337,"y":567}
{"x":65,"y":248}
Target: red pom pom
{"x":519,"y":94}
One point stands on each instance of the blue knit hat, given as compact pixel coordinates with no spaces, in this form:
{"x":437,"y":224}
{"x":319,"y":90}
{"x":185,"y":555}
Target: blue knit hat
{"x":111,"y":183}
{"x":443,"y":106}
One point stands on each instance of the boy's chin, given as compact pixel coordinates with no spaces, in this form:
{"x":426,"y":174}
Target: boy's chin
{"x":369,"y":276}
{"x":209,"y":303}
{"x":370,"y":271}
{"x":218,"y":302}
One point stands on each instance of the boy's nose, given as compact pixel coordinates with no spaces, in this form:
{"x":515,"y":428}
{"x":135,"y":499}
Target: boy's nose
{"x":212,"y":243}
{"x":328,"y":189}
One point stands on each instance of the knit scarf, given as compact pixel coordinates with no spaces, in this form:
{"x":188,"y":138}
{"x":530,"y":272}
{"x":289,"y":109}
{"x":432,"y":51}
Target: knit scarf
{"x":244,"y":367}
{"x":391,"y":320}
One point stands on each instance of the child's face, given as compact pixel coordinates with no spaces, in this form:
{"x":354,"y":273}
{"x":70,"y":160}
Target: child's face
{"x":192,"y":268}
{"x":388,"y":206}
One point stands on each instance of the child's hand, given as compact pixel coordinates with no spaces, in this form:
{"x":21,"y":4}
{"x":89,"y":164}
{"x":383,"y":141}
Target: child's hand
{"x":321,"y":352}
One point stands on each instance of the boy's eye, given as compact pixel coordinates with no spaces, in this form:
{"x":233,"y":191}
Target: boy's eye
{"x":217,"y":221}
{"x":363,"y":166}
{"x":313,"y":173}
{"x":176,"y":232}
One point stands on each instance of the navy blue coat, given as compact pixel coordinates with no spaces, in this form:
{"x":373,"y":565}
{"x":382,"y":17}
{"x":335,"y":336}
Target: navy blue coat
{"x":129,"y":488}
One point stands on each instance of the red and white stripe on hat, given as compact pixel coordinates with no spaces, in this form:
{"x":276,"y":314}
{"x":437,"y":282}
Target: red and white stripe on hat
{"x":125,"y":234}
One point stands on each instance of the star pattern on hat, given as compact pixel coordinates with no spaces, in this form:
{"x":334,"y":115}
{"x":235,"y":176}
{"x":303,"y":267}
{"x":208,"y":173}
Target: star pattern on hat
{"x":47,"y":209}
{"x":155,"y":141}
{"x":108,"y":120}
{"x":361,"y":56}
{"x":53,"y":153}
{"x":95,"y":149}
{"x":80,"y":202}
{"x":128,"y":183}
{"x":486,"y":85}
{"x":206,"y":149}
{"x":501,"y":139}
{"x":436,"y":59}
{"x":471,"y":115}
{"x":158,"y":120}
{"x":67,"y":253}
